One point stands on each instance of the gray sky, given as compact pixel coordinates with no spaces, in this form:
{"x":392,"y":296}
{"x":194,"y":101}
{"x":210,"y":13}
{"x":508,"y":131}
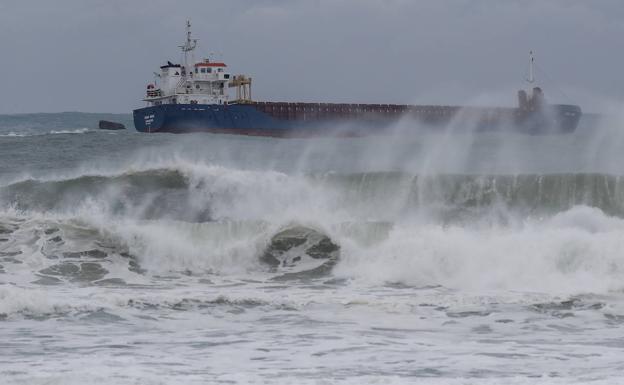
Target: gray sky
{"x":98,"y":55}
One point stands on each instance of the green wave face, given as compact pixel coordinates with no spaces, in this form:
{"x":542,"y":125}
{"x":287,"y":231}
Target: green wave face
{"x":213,"y":194}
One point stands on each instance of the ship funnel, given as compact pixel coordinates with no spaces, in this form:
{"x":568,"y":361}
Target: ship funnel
{"x":523,"y":100}
{"x":538,"y":96}
{"x":243,"y":88}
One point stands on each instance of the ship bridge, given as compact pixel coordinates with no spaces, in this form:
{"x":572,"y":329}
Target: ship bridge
{"x":202,"y":82}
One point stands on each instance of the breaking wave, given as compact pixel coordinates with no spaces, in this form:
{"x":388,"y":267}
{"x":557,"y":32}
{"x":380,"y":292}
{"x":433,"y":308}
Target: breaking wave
{"x":551,"y":232}
{"x":203,"y":193}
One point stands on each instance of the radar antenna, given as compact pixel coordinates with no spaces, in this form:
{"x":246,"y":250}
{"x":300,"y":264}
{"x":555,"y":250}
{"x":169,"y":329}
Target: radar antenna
{"x":190,"y":43}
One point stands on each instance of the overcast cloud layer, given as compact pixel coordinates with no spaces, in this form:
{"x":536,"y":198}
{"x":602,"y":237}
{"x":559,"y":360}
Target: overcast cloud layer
{"x":97,"y":56}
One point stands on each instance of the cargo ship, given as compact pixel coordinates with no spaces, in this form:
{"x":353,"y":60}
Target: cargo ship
{"x":193,"y":97}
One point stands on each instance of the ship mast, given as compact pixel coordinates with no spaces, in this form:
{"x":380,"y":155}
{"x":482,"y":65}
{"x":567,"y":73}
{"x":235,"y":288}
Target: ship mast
{"x":188,"y":46}
{"x":531,"y":78}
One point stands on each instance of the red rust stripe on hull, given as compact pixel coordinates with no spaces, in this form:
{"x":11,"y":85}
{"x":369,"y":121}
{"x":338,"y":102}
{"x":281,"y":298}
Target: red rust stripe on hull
{"x":273,"y":133}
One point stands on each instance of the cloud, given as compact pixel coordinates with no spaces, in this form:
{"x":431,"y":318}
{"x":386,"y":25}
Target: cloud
{"x":98,"y":55}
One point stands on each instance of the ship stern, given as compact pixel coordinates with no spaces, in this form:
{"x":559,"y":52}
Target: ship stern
{"x":149,"y":119}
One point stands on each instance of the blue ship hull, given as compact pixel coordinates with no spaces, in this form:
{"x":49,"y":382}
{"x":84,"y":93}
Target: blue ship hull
{"x":238,"y":119}
{"x":312,"y":119}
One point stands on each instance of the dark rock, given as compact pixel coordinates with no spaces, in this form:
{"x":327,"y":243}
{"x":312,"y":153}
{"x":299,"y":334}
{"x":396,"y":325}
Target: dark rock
{"x":108,"y":125}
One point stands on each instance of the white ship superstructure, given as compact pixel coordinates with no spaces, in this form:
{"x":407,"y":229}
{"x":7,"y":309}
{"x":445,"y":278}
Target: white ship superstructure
{"x":191,"y":82}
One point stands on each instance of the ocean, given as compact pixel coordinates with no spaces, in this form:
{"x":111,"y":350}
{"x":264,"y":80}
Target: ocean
{"x":423,"y":257}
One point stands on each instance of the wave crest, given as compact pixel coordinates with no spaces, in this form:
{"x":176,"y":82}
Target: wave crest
{"x":201,"y":193}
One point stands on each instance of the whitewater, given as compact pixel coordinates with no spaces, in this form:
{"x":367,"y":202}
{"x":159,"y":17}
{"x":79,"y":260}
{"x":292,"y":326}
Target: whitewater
{"x":423,"y":257}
